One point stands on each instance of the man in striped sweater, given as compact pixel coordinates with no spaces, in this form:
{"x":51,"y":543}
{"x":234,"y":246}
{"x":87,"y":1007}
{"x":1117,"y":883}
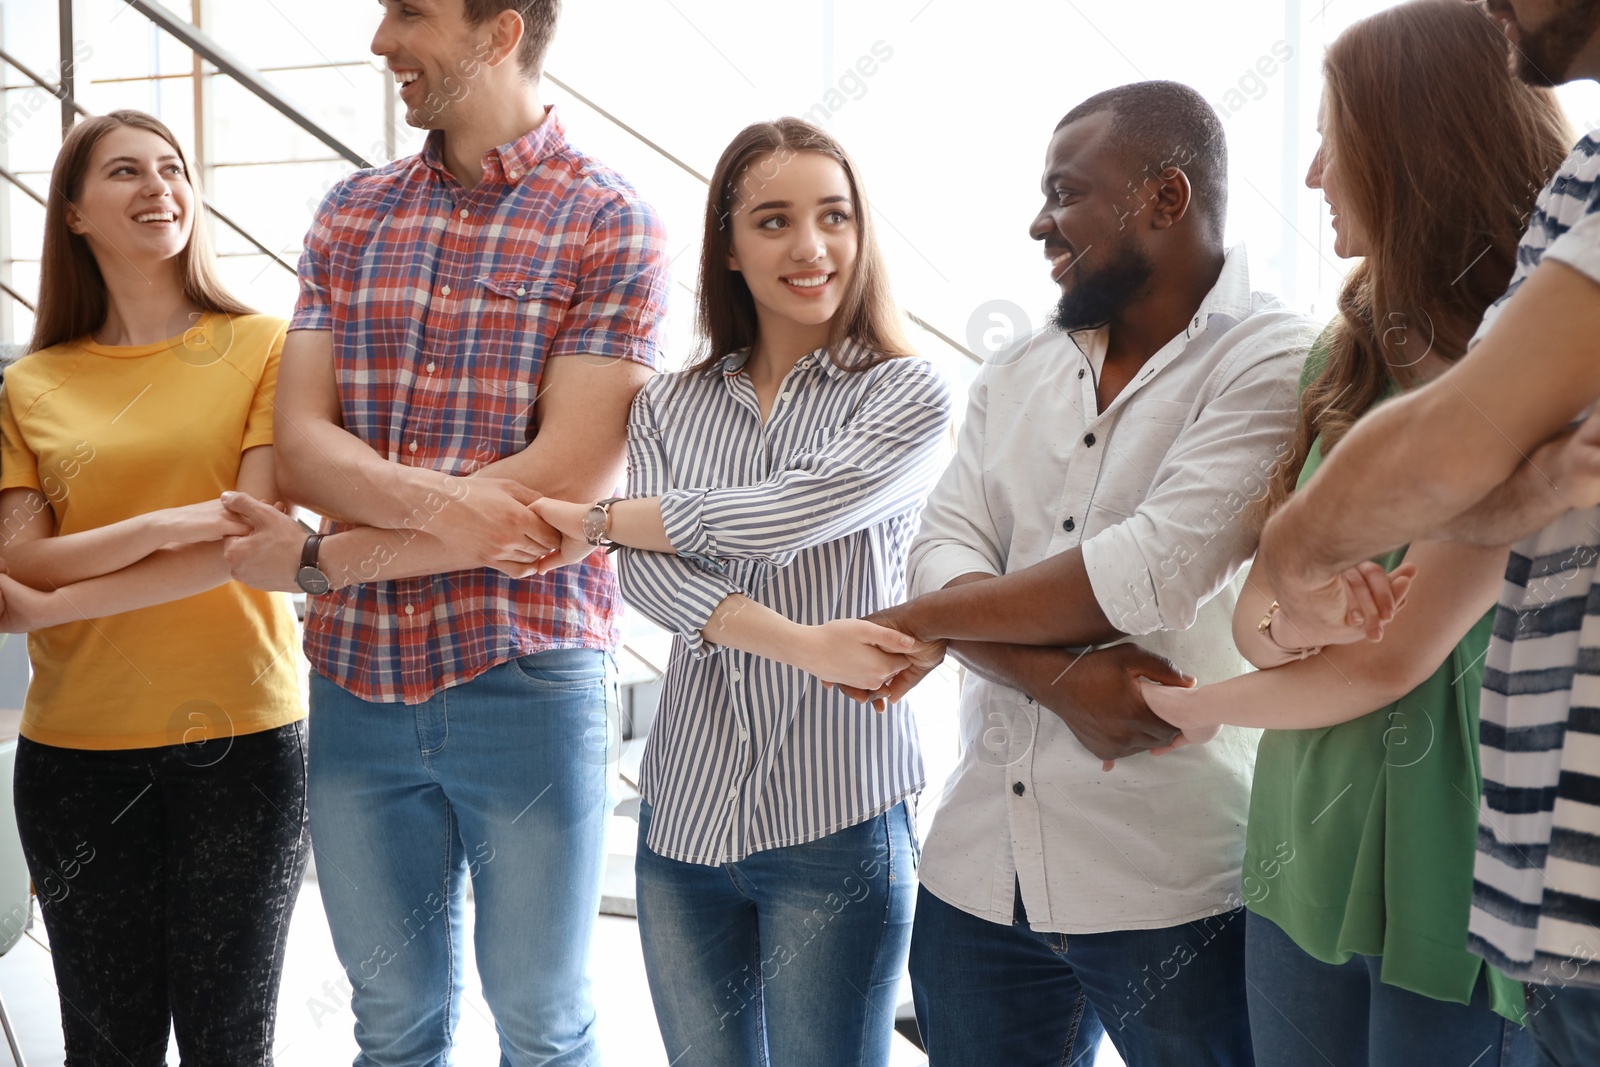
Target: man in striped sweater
{"x":1496,"y":428}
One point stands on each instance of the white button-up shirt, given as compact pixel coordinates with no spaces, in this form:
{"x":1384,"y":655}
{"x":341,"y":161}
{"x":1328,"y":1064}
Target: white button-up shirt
{"x":1154,"y":489}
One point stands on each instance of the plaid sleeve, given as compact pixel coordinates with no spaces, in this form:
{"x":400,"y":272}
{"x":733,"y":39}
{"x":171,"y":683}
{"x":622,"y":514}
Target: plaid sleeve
{"x":620,"y":303}
{"x":313,"y":310}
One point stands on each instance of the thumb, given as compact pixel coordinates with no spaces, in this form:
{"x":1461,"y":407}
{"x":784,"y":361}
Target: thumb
{"x":1163,"y":671}
{"x":248,"y":508}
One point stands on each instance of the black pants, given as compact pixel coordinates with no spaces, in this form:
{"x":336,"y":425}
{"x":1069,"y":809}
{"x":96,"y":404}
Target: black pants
{"x":167,"y":877}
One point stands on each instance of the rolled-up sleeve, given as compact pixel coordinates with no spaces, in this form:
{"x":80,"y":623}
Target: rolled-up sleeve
{"x":675,"y":593}
{"x":878,"y":465}
{"x":621,"y":299}
{"x":958,"y":534}
{"x":313,"y":309}
{"x":1191,"y":533}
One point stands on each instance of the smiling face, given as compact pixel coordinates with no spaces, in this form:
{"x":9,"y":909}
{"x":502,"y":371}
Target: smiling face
{"x":1350,"y":236}
{"x":794,"y":238}
{"x":434,"y":53}
{"x":135,"y":202}
{"x":1548,"y":36}
{"x":1088,"y":225}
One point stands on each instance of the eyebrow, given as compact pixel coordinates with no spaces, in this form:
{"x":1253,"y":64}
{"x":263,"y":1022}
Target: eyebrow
{"x":786,"y":204}
{"x":168,"y":158}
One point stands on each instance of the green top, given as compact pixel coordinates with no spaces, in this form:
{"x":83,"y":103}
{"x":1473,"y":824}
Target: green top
{"x":1362,"y":835}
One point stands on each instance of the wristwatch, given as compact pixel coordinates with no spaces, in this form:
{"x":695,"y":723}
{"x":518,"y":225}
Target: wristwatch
{"x":597,"y":523}
{"x":309,"y":578}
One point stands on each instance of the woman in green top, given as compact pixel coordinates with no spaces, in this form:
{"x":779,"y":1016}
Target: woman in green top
{"x":1363,"y":817}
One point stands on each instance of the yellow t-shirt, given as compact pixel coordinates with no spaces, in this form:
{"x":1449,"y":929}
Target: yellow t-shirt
{"x":110,"y":432}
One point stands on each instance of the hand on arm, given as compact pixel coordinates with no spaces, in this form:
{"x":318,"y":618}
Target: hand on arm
{"x":1454,"y":585}
{"x":1462,"y":435}
{"x":849,"y":652}
{"x":1563,"y":475}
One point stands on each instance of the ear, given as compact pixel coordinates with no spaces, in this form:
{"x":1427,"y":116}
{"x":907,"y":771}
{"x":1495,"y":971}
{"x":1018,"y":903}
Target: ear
{"x":1172,"y":199}
{"x":733,"y":263}
{"x":505,"y":36}
{"x":75,"y":221}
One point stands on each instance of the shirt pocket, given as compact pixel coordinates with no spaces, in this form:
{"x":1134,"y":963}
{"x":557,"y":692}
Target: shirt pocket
{"x":512,"y":319}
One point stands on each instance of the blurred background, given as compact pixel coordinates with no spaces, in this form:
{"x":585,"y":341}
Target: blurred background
{"x":947,"y":107}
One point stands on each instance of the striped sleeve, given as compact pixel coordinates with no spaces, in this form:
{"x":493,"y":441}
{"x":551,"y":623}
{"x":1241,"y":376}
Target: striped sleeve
{"x":674,"y":592}
{"x":877,"y":465}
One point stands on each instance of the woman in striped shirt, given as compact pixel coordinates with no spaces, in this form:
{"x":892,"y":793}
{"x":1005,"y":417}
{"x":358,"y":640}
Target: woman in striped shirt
{"x":775,"y":487}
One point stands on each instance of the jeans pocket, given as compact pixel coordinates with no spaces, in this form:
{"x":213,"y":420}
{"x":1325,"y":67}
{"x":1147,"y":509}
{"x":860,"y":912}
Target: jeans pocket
{"x":562,"y":670}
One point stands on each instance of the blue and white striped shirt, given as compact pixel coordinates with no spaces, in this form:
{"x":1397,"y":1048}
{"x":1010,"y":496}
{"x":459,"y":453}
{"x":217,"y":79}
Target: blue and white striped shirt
{"x":810,"y":514}
{"x":1536,"y":889}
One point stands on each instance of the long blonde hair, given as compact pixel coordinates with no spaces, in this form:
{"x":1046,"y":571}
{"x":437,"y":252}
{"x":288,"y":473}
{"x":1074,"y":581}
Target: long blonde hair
{"x":72,"y":293}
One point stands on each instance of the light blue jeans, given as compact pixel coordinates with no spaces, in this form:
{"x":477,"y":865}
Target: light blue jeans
{"x":501,"y":779}
{"x":790,"y":957}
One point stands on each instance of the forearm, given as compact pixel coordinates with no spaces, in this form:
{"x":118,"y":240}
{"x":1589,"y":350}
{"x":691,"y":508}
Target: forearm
{"x":160,"y":578}
{"x":993,"y":662}
{"x":637,"y":524}
{"x":50,"y":562}
{"x":367,"y":554}
{"x":742,"y":624}
{"x":1050,"y":603}
{"x":1526,"y":502}
{"x":326,"y":469}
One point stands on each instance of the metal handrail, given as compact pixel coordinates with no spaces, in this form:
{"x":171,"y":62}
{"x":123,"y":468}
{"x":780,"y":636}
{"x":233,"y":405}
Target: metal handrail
{"x":242,"y":73}
{"x":18,"y":297}
{"x":60,"y":94}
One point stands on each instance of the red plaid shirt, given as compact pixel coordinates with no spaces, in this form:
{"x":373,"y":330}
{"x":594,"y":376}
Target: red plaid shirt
{"x":444,"y":303}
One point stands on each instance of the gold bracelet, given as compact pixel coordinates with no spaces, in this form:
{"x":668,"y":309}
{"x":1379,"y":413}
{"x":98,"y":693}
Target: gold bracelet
{"x":1264,"y":628}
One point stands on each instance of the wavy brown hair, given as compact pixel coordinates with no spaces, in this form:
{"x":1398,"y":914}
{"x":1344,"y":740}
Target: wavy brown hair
{"x":727,"y":320}
{"x":1442,"y":152}
{"x":72,"y":293}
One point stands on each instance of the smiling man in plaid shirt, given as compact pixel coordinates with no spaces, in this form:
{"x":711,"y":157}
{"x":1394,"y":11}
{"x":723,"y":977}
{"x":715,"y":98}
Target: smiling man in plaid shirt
{"x":473,"y":324}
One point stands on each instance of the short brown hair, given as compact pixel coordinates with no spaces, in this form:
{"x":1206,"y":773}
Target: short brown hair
{"x":539,"y":18}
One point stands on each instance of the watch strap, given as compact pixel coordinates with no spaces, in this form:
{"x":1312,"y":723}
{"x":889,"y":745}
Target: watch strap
{"x":311,"y":549}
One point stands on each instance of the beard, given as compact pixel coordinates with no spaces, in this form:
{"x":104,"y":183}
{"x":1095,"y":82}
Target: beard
{"x":1100,"y":294}
{"x":1544,"y":56}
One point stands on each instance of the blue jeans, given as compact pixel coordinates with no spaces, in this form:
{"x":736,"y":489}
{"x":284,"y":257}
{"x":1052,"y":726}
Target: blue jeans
{"x":1305,"y":1011}
{"x":790,"y":957}
{"x":503,"y":779}
{"x":989,"y":994}
{"x":1565,"y":1024}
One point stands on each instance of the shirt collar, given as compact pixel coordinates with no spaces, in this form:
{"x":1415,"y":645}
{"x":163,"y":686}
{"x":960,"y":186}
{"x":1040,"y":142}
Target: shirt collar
{"x":1229,"y":297}
{"x":734,"y":362}
{"x":512,"y":161}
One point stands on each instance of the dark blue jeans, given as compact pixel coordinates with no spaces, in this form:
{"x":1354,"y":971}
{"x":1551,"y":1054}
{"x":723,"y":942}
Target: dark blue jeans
{"x":990,"y":994}
{"x":790,"y":957}
{"x":1305,"y":1011}
{"x":1565,"y":1024}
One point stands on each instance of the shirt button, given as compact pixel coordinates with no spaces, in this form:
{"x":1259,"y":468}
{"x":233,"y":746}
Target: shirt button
{"x":463,"y":212}
{"x":410,"y":609}
{"x":1018,"y":788}
{"x":1088,"y":440}
{"x":445,"y":291}
{"x":733,"y":796}
{"x":1069,"y":525}
{"x":511,"y":175}
{"x":785,"y":395}
{"x":522,"y":290}
{"x":432,"y":367}
{"x":412,"y":447}
{"x":734,"y":675}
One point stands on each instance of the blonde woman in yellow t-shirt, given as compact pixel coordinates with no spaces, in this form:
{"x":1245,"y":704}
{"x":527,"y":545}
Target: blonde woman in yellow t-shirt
{"x":160,"y":779}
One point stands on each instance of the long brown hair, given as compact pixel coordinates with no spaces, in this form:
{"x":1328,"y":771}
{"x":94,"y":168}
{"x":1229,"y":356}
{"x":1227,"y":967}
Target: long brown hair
{"x":1442,"y":153}
{"x":72,"y":293}
{"x":727,"y":312}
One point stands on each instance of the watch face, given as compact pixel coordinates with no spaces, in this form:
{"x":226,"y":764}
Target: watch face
{"x":312,"y":580}
{"x":594,"y":525}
